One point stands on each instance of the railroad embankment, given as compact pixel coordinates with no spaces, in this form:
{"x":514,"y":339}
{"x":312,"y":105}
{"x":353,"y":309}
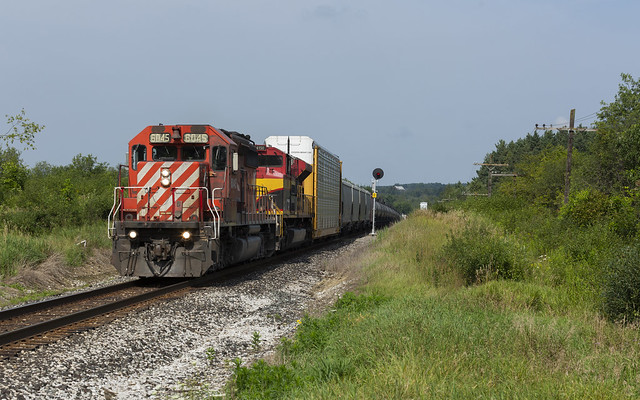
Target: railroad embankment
{"x":452,"y":307}
{"x":35,"y":266}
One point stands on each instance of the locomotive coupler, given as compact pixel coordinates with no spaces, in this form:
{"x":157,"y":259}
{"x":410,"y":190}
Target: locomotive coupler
{"x":161,"y":249}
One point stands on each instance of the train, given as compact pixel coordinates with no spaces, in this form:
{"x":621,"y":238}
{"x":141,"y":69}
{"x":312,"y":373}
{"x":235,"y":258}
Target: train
{"x":195,"y":198}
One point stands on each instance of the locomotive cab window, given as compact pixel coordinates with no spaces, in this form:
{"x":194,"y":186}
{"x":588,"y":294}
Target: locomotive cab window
{"x":269,"y":160}
{"x":194,"y":153}
{"x":138,"y":153}
{"x":219,"y":158}
{"x":164,"y":153}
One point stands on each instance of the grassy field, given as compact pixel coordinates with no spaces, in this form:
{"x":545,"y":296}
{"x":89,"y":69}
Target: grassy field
{"x":420,"y":327}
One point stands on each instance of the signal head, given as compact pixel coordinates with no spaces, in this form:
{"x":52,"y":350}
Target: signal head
{"x":378,"y":173}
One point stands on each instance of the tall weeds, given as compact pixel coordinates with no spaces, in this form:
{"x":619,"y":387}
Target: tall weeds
{"x":74,"y":243}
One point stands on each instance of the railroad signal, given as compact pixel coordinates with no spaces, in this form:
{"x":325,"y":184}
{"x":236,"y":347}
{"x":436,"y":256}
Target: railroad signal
{"x":378,"y":173}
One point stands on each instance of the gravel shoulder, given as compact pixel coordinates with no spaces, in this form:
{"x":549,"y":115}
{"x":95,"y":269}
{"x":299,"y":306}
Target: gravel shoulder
{"x":160,"y":352}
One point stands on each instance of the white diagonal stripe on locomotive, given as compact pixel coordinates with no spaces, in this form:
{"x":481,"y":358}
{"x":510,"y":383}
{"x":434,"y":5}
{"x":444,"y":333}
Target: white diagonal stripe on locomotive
{"x":179,"y":175}
{"x":183,"y":195}
{"x":160,"y":201}
{"x":190,"y":179}
{"x":148,"y":172}
{"x":189,"y":198}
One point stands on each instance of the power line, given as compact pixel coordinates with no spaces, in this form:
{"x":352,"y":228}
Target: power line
{"x":589,"y":116}
{"x":583,"y":118}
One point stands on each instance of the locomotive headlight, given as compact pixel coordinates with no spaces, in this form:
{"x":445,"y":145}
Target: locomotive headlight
{"x":186,"y":235}
{"x":133,"y":234}
{"x":165,"y":177}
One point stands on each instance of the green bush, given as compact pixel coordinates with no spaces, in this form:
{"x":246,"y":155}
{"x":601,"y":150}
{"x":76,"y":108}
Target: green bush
{"x":622,"y":287}
{"x":67,"y":196}
{"x":585,"y":207}
{"x":440,"y":207}
{"x":479,"y":255}
{"x":624,"y":216}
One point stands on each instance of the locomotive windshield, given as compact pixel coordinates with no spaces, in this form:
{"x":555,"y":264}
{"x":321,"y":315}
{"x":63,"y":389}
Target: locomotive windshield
{"x":164,"y":153}
{"x":193,"y":153}
{"x":269,"y":160}
{"x":170,"y":153}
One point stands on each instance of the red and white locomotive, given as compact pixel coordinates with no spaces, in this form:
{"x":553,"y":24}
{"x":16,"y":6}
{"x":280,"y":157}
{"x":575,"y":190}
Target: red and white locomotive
{"x":200,"y":198}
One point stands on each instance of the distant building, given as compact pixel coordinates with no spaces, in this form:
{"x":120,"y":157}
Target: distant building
{"x":398,"y":187}
{"x":423,"y":205}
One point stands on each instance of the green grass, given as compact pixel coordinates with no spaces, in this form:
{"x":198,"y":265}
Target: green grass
{"x":417,"y":329}
{"x":18,"y":249}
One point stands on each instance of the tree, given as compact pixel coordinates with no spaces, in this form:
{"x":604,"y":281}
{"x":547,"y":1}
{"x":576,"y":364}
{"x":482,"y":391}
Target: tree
{"x":13,"y":172}
{"x":617,"y":144}
{"x":21,"y":129}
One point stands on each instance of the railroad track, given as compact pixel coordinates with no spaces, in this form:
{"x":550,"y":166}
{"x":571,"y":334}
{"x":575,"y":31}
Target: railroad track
{"x":33,"y":325}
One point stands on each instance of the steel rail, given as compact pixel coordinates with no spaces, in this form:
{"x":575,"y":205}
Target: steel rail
{"x":46,"y":326}
{"x":58,"y":301}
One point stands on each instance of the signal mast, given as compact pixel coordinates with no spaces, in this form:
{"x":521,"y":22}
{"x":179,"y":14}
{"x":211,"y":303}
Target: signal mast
{"x":378,"y":173}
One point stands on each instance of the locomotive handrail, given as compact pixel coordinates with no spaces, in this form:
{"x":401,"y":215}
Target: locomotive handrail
{"x":112,"y":212}
{"x":216,"y":228}
{"x":117,"y":204}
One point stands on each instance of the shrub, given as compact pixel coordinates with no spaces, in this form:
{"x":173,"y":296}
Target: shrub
{"x":441,"y":207}
{"x":585,"y":207}
{"x":622,"y":287}
{"x":623,"y":216}
{"x":479,"y":254}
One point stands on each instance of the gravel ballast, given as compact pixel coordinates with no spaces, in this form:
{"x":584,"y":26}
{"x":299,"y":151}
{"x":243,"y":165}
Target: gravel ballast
{"x":159,"y":352}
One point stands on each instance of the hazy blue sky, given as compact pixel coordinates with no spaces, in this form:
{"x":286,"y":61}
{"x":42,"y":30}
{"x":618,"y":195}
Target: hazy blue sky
{"x":422,"y":89}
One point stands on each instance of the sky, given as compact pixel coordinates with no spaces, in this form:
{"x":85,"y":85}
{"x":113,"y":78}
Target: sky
{"x":419,"y":88}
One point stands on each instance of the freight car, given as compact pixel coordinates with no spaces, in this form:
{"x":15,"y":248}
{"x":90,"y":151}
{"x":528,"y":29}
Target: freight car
{"x":200,"y":198}
{"x":355,"y":208}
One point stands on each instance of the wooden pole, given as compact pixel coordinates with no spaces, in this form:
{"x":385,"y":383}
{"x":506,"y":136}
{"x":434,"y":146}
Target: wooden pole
{"x":567,"y":177}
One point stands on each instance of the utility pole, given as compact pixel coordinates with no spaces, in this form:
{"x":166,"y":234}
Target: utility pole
{"x":567,"y":177}
{"x":491,"y":174}
{"x":572,"y":130}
